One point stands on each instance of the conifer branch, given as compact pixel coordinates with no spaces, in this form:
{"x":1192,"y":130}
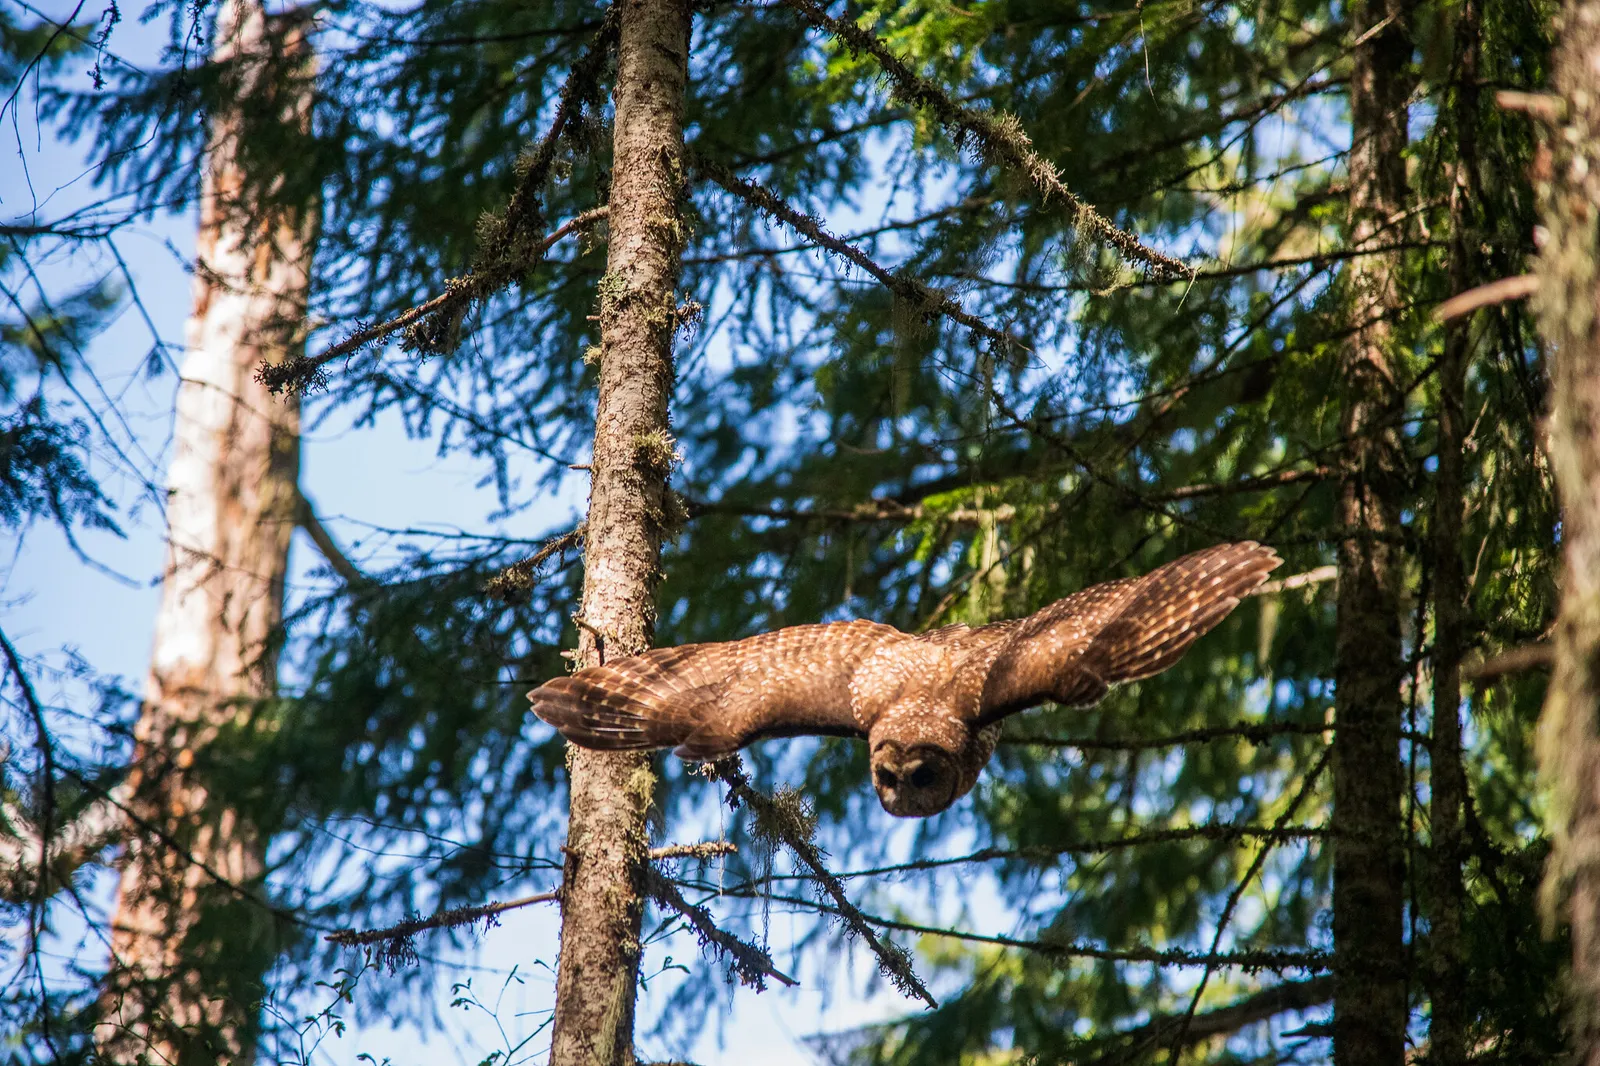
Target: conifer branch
{"x":517,"y":579}
{"x":301,"y":373}
{"x":780,"y":821}
{"x":917,"y":293}
{"x":1219,"y":833}
{"x":997,"y":136}
{"x":1252,"y":732}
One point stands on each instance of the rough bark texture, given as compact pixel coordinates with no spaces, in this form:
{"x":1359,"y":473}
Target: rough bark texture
{"x":602,"y":899}
{"x":1568,"y":304}
{"x":1370,"y":997}
{"x":188,"y":951}
{"x":1446,"y":974}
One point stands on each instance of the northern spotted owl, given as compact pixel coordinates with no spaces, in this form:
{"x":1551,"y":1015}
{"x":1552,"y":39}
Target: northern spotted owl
{"x":929,"y":706}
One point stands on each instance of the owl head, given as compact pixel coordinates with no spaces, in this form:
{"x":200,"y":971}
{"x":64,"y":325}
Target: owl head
{"x":925,"y":757}
{"x":915,"y":781}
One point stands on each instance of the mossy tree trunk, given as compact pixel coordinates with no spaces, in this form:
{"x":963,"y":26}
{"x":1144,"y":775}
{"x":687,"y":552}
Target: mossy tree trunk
{"x":190,"y":940}
{"x":1370,"y":997}
{"x":628,"y":507}
{"x":1568,"y":304}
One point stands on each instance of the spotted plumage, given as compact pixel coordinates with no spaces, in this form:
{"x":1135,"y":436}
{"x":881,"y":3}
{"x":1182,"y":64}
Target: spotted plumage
{"x":929,"y":705}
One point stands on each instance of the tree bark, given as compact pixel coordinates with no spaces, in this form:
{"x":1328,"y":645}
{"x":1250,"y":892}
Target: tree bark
{"x":1568,"y":305}
{"x":1446,"y":973}
{"x":1368,"y":879}
{"x":190,"y":943}
{"x":602,"y":901}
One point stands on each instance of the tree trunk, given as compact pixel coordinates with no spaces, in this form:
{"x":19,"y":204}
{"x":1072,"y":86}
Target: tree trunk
{"x":1568,"y":304}
{"x":190,"y":941}
{"x":1368,"y":877}
{"x":633,"y":456}
{"x":1446,"y":974}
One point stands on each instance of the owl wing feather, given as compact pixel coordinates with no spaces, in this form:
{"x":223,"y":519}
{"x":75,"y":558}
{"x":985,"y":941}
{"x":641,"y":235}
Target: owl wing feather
{"x":708,"y":700}
{"x":1074,"y":650}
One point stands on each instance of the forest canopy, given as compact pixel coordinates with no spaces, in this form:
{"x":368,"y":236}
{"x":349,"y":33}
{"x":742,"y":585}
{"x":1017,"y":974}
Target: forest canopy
{"x":731,"y":316}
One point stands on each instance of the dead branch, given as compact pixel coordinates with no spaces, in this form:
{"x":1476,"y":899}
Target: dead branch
{"x":1537,"y":656}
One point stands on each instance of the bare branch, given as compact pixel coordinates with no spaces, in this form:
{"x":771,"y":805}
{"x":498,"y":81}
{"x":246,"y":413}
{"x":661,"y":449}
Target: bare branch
{"x":1505,"y":290}
{"x":395,"y":943}
{"x":706,"y":850}
{"x":1318,"y":576}
{"x":298,"y":374}
{"x":329,"y":547}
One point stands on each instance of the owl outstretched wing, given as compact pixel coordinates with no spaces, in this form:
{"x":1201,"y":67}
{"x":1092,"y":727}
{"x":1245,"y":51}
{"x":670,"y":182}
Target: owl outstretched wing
{"x":1074,"y":650}
{"x":707,"y":700}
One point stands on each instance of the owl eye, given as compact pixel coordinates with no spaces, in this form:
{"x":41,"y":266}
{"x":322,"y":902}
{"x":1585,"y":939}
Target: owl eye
{"x":924,"y":776}
{"x":886,"y":778}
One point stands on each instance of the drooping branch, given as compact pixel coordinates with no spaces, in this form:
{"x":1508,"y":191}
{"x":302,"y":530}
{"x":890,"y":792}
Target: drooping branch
{"x":1134,"y":1045}
{"x":999,"y":137}
{"x":781,"y":823}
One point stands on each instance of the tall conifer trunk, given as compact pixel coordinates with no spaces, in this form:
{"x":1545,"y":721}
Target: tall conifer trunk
{"x":188,"y":950}
{"x":1446,"y":980}
{"x":1368,"y":878}
{"x":1568,"y":304}
{"x":633,"y":455}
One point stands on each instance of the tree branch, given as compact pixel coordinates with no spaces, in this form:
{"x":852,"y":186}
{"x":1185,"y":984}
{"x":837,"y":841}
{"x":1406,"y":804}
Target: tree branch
{"x":778,"y":821}
{"x":997,"y":135}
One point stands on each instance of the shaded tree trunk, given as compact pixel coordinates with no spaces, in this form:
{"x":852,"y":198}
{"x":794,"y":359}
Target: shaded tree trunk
{"x":190,"y":941}
{"x":1446,"y":973}
{"x":1568,"y":304}
{"x":1368,"y":875}
{"x":607,"y":841}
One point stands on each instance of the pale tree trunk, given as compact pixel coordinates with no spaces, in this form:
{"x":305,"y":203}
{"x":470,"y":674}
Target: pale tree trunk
{"x":633,"y":455}
{"x":1568,"y":305}
{"x":190,"y":938}
{"x":1368,"y":872}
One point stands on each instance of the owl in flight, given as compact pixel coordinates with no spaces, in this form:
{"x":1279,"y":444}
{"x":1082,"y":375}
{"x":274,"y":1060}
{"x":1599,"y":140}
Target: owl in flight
{"x":929,"y":706}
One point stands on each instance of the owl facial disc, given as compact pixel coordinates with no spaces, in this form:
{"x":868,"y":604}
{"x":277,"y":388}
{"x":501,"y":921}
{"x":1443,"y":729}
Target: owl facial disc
{"x":914,"y":782}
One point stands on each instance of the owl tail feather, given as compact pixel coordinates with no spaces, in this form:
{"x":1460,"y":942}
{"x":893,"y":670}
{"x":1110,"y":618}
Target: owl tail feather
{"x":614,"y":708}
